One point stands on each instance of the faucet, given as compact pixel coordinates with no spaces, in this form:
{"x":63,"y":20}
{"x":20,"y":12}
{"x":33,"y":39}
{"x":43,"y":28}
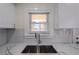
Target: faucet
{"x":37,"y":37}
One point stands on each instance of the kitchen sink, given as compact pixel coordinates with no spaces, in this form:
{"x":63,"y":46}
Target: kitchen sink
{"x":39,"y":49}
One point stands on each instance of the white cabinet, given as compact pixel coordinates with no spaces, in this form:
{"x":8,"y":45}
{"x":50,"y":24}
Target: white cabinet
{"x":68,"y":15}
{"x":7,"y":15}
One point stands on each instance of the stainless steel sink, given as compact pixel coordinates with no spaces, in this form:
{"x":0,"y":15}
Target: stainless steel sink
{"x":39,"y":49}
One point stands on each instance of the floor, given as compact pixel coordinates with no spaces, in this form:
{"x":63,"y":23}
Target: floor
{"x":63,"y":49}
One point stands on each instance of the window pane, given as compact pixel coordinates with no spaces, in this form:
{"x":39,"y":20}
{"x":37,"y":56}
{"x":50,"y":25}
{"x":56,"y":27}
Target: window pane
{"x":43,"y":27}
{"x":35,"y":27}
{"x":39,"y":27}
{"x":39,"y":18}
{"x":39,"y":22}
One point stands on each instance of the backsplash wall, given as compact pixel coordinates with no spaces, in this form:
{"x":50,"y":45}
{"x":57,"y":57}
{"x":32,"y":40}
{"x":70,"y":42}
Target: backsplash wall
{"x":75,"y":35}
{"x":3,"y":36}
{"x":60,"y":36}
{"x":63,"y":35}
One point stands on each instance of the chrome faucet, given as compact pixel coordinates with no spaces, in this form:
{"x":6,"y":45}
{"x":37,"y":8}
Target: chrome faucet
{"x":37,"y":37}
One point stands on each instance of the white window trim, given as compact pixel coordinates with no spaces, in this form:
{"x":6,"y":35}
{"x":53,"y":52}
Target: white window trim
{"x":45,"y":32}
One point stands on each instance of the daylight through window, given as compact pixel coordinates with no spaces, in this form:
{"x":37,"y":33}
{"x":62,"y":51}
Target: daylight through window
{"x":39,"y":22}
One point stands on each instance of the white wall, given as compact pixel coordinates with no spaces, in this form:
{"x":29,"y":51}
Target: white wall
{"x":23,"y":16}
{"x":63,"y":35}
{"x":22,"y":25}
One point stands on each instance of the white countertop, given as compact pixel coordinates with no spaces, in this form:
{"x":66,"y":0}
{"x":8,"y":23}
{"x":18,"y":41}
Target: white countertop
{"x":62,"y":49}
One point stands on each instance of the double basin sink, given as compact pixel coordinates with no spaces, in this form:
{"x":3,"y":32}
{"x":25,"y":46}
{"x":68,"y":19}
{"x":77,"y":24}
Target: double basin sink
{"x":39,"y":49}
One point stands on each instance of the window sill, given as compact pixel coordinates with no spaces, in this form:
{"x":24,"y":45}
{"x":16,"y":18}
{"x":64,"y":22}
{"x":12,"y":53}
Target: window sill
{"x":39,"y":32}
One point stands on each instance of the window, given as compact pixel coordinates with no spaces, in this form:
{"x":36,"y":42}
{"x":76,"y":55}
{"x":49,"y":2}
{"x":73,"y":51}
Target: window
{"x":39,"y":22}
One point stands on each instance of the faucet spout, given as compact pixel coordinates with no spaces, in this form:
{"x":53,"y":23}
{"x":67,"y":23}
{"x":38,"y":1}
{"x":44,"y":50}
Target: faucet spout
{"x":37,"y":37}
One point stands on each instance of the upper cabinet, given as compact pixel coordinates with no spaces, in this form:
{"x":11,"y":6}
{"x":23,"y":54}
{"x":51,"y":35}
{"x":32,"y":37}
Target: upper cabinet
{"x":7,"y":15}
{"x":67,"y":15}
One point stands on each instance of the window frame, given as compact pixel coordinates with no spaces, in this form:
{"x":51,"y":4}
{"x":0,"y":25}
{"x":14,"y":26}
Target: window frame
{"x":30,"y":24}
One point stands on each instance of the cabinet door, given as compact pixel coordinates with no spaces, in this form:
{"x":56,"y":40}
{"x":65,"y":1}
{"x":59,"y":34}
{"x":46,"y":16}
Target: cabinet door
{"x":7,"y":15}
{"x":68,"y":15}
{"x":11,"y":15}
